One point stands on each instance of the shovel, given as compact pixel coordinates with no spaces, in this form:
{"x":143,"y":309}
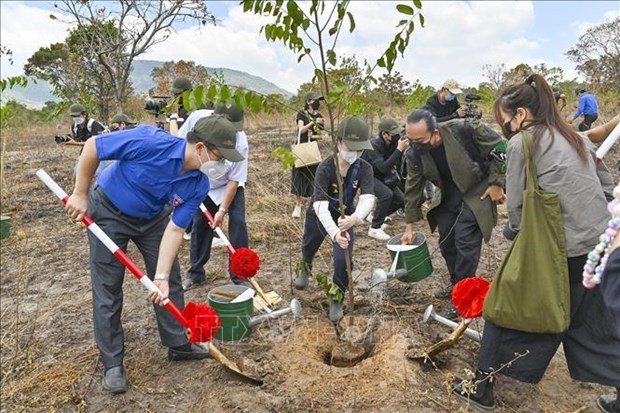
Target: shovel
{"x":200,"y":320}
{"x":232,"y":252}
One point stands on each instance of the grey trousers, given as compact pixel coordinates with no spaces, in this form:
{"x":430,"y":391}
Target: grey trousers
{"x":107,"y":274}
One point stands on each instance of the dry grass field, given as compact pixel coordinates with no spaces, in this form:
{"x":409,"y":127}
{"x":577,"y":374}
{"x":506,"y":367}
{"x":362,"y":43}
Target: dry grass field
{"x":49,"y":361}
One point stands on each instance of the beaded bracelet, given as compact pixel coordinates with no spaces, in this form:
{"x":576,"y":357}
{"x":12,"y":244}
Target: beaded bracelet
{"x":597,"y":258}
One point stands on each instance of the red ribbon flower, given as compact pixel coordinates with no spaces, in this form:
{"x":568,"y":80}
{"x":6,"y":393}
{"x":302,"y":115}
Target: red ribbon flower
{"x":244,"y":263}
{"x":468,"y":296}
{"x":203,"y":320}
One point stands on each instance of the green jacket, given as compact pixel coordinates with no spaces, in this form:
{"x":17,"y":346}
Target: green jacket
{"x":472,"y":172}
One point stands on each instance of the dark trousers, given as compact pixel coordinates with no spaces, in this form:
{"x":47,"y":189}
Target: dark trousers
{"x":313,"y":237}
{"x":202,"y":235}
{"x":591,"y":344}
{"x":107,"y":274}
{"x":460,"y":241}
{"x":588,"y":120}
{"x":388,"y":201}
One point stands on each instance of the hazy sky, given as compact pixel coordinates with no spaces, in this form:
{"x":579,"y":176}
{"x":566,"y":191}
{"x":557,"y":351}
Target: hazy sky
{"x":458,"y":38}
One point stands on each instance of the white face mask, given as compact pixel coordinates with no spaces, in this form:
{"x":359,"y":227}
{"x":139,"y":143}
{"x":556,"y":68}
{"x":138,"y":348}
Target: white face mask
{"x":215,"y":170}
{"x":348,"y":156}
{"x":78,"y":120}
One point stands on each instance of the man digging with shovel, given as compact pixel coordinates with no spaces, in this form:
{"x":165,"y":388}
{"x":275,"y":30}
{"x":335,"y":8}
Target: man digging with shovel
{"x":148,"y":196}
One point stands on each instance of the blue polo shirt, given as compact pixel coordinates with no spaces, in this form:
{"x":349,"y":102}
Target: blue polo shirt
{"x":148,"y":174}
{"x":587,"y":106}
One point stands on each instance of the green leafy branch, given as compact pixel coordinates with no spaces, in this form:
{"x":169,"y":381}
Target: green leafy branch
{"x":331,"y":289}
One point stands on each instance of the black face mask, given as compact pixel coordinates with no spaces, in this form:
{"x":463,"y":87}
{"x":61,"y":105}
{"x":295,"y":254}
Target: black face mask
{"x":315,"y":105}
{"x":422,"y":148}
{"x":507,"y":130}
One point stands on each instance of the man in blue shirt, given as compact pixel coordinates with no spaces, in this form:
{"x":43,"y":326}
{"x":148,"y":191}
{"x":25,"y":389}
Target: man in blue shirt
{"x":588,"y":108}
{"x":149,"y":196}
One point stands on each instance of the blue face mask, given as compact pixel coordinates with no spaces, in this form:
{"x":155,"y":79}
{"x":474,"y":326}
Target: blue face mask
{"x":450,"y":97}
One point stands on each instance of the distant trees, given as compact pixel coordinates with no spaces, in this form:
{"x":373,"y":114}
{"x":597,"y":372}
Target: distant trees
{"x":96,"y":58}
{"x":597,"y":54}
{"x":164,"y":75}
{"x":499,"y":77}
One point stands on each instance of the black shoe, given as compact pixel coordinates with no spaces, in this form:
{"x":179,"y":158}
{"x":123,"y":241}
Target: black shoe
{"x":190,"y":283}
{"x":115,"y":380}
{"x":449,"y":312}
{"x":188,"y":352}
{"x":478,"y":395}
{"x":241,"y":281}
{"x":445,"y":293}
{"x":608,"y":404}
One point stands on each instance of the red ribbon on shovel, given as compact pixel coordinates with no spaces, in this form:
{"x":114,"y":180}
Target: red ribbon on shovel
{"x":201,"y":321}
{"x":243,"y":261}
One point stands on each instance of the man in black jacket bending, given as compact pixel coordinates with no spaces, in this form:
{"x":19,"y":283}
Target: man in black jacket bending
{"x":386,"y":158}
{"x":444,"y":104}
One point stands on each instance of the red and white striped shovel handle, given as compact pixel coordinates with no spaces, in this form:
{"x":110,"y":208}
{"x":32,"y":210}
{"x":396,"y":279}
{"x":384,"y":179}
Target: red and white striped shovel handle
{"x":218,"y":230}
{"x":114,"y":249}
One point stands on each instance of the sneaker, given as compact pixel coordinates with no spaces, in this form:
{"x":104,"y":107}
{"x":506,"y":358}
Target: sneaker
{"x":449,"y":312}
{"x":188,"y":352}
{"x":190,"y":283}
{"x":335,"y":311}
{"x":480,"y":396}
{"x":302,"y":280}
{"x":444,"y":293}
{"x":217,"y":242}
{"x":187,"y":236}
{"x":387,"y":219}
{"x":296,"y":212}
{"x":384,"y":227}
{"x":400,"y":212}
{"x":115,"y":380}
{"x":377,"y":233}
{"x":608,"y":404}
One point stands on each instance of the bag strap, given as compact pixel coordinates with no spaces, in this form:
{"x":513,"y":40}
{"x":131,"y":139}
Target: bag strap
{"x":531,"y":178}
{"x":298,"y":135}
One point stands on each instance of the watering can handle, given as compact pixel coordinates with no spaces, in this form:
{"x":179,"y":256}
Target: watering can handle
{"x":395,"y":261}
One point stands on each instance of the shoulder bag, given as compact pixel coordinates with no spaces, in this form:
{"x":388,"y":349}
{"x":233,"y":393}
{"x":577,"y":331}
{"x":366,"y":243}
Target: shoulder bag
{"x":531,"y":290}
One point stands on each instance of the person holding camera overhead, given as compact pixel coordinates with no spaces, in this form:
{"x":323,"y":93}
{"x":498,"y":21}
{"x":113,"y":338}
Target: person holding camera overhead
{"x":444,"y":104}
{"x":309,"y":122}
{"x":386,"y":158}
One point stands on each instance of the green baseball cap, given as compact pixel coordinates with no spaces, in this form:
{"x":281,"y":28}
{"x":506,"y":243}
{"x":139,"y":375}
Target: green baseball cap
{"x":354,"y":131}
{"x":390,"y":125}
{"x":121,"y":118}
{"x":180,"y":85}
{"x":314,"y":96}
{"x":219,"y":132}
{"x":232,"y":113}
{"x":76,"y":110}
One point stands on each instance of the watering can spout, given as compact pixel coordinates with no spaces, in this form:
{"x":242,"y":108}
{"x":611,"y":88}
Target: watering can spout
{"x":294,"y":308}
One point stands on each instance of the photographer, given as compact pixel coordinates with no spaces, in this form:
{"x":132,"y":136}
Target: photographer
{"x":179,"y":86}
{"x":386,"y":158}
{"x":83,"y":127}
{"x":444,"y":105}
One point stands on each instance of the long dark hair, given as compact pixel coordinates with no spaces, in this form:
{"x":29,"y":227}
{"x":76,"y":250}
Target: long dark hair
{"x":536,"y":95}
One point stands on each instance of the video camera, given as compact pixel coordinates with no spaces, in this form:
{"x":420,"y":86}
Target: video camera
{"x":156,"y":104}
{"x":63,"y":139}
{"x":471,"y":109}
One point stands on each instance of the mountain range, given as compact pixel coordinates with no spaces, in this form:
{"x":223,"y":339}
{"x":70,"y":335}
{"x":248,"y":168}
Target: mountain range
{"x":36,"y":94}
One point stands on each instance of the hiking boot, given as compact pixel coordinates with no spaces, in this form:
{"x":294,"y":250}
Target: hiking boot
{"x":302,"y":278}
{"x":335,"y":311}
{"x":188,"y":352}
{"x":449,"y":312}
{"x":478,"y":394}
{"x":115,"y":380}
{"x":444,"y":293}
{"x":377,"y":233}
{"x":608,"y":403}
{"x":296,"y":212}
